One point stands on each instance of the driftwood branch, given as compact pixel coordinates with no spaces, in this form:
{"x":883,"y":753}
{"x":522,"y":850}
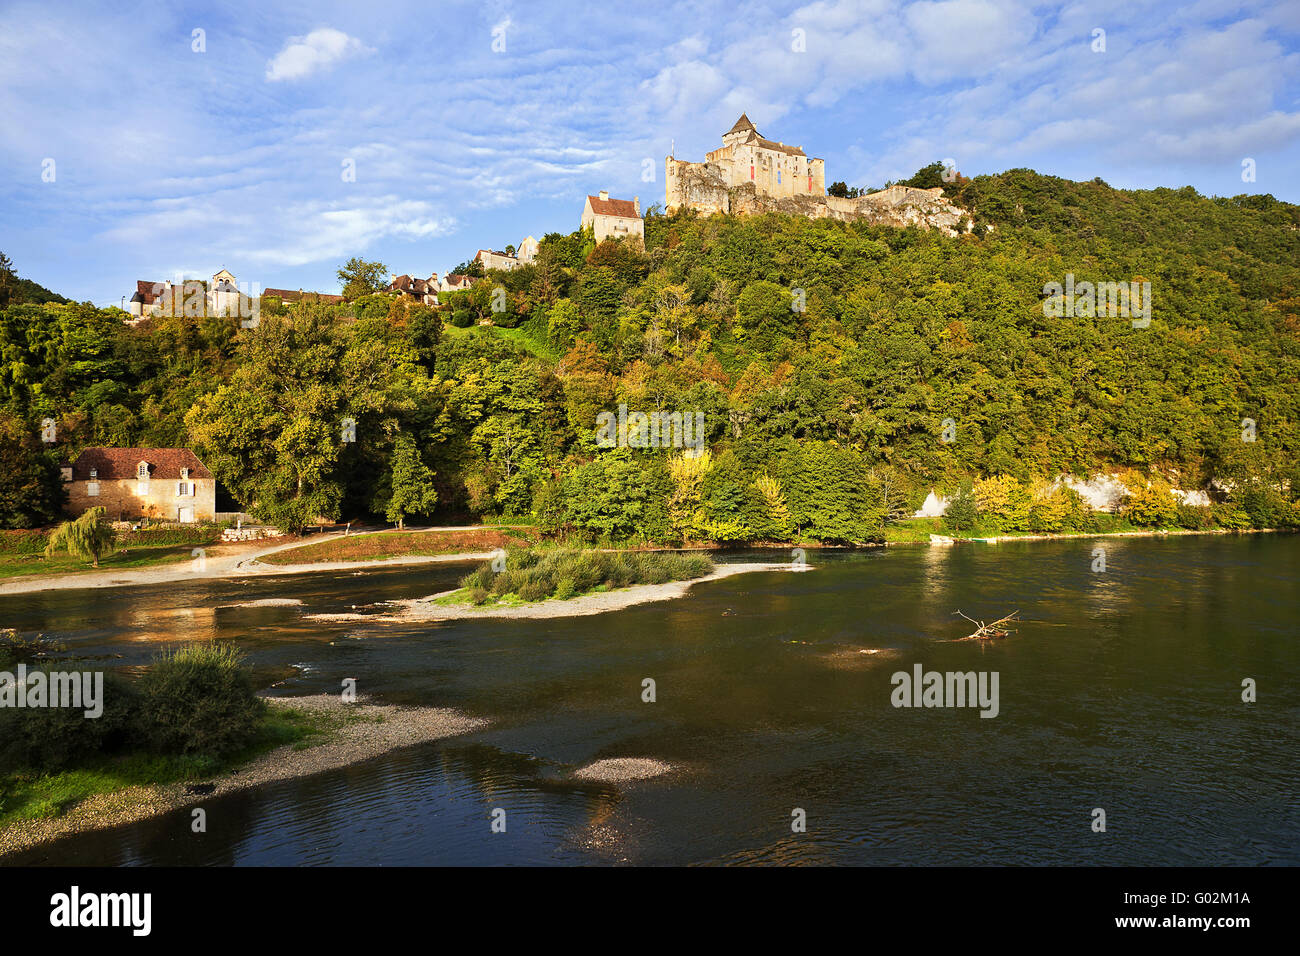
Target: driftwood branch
{"x":992,"y":630}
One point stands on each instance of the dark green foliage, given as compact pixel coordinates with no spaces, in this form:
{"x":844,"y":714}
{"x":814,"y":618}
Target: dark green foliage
{"x":962,"y":512}
{"x":532,"y":575}
{"x":198,"y":699}
{"x":54,"y":738}
{"x":899,"y":329}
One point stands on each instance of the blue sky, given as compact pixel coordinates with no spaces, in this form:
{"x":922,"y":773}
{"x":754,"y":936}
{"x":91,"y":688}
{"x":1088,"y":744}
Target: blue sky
{"x":169,"y":159}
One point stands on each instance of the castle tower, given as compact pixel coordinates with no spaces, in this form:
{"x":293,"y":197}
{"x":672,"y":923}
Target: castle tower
{"x":739,"y":132}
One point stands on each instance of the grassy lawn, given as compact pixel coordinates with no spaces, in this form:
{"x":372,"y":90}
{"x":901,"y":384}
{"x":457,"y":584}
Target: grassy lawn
{"x":30,"y":795}
{"x":382,"y":545}
{"x":15,"y":565}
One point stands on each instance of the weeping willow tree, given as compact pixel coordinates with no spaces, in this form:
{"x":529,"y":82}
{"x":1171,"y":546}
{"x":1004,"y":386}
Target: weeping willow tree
{"x":86,"y":537}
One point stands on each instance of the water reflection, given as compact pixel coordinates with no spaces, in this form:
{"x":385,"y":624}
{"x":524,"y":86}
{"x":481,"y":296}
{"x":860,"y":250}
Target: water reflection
{"x":1120,"y":689}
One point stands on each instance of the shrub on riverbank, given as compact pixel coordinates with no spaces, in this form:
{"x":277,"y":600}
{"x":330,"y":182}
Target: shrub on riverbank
{"x":536,"y":575}
{"x":197,"y":701}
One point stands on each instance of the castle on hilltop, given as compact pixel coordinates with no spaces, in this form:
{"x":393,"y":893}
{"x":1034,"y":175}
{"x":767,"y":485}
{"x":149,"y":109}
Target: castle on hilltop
{"x":750,"y":175}
{"x":773,"y":168}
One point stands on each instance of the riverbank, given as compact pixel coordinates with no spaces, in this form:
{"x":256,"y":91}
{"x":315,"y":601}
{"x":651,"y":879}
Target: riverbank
{"x":956,"y":537}
{"x":429,"y":609}
{"x":245,"y":560}
{"x":349,"y":733}
{"x":226,"y":561}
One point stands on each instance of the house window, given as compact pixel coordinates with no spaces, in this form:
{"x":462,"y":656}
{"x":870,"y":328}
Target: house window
{"x":142,"y":471}
{"x":185,"y":472}
{"x":185,"y":489}
{"x":92,"y":489}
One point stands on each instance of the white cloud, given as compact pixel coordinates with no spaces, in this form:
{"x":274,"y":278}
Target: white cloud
{"x":318,"y":50}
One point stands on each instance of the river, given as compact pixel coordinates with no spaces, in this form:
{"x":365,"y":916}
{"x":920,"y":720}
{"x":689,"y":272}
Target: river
{"x":1120,"y":690}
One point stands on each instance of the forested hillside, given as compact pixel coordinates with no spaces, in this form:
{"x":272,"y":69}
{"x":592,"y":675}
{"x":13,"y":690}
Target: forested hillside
{"x":831,"y":361}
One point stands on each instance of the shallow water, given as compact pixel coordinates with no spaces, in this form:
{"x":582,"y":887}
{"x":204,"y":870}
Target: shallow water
{"x":1120,"y":690}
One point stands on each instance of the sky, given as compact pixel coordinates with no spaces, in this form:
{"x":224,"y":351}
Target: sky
{"x":277,"y":140}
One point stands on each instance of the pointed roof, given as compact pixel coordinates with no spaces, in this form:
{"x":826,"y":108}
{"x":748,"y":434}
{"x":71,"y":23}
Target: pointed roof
{"x":742,"y":124}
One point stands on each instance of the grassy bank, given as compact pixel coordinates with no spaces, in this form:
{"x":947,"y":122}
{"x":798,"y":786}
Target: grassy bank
{"x":192,"y":715}
{"x":531,"y":575}
{"x":22,"y":552}
{"x":383,"y":545}
{"x":32,"y":794}
{"x":918,"y":530}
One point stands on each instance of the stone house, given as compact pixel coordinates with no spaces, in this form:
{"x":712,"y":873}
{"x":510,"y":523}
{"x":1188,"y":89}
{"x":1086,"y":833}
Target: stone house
{"x":455,"y":283}
{"x":614,"y":218}
{"x":527,"y":250}
{"x":496,"y":260}
{"x":421,"y":290}
{"x":220,"y":296}
{"x":169,"y":484}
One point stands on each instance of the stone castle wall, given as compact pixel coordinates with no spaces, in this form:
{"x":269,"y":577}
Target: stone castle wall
{"x":701,"y":186}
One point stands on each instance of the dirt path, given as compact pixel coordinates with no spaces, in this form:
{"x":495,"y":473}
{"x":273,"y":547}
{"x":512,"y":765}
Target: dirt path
{"x":233,"y":560}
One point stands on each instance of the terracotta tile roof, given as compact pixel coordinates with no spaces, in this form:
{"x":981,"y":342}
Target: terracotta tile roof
{"x":144,"y":291}
{"x":622,"y":208}
{"x":289,"y":295}
{"x":111,"y":463}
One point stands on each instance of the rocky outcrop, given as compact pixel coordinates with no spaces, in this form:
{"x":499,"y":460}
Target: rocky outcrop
{"x":896,"y":206}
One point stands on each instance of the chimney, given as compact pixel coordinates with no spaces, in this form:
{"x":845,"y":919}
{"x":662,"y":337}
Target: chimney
{"x":604,"y":195}
{"x":636,"y":204}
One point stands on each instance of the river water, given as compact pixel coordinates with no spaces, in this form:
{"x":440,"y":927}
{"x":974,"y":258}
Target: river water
{"x":1121,"y":690}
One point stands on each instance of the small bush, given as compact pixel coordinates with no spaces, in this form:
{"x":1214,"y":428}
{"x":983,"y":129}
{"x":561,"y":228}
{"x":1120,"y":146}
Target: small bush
{"x":534,"y":589}
{"x":535,"y":575}
{"x":1194,"y":517}
{"x":55,"y":738}
{"x":198,"y":699}
{"x":478,"y":595}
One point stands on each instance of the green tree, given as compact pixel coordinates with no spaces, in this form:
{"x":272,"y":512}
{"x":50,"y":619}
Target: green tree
{"x":31,"y":489}
{"x":411,"y":483}
{"x":963,"y":509}
{"x":86,"y":537}
{"x":361,"y":278}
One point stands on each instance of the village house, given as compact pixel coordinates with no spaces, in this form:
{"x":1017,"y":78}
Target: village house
{"x":496,"y":260}
{"x":220,"y":296}
{"x":421,"y":290}
{"x":527,"y":251}
{"x":613,"y":218}
{"x":169,"y":484}
{"x":455,"y":283}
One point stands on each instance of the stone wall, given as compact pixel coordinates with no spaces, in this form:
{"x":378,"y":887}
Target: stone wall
{"x":702,"y":186}
{"x":130,"y":499}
